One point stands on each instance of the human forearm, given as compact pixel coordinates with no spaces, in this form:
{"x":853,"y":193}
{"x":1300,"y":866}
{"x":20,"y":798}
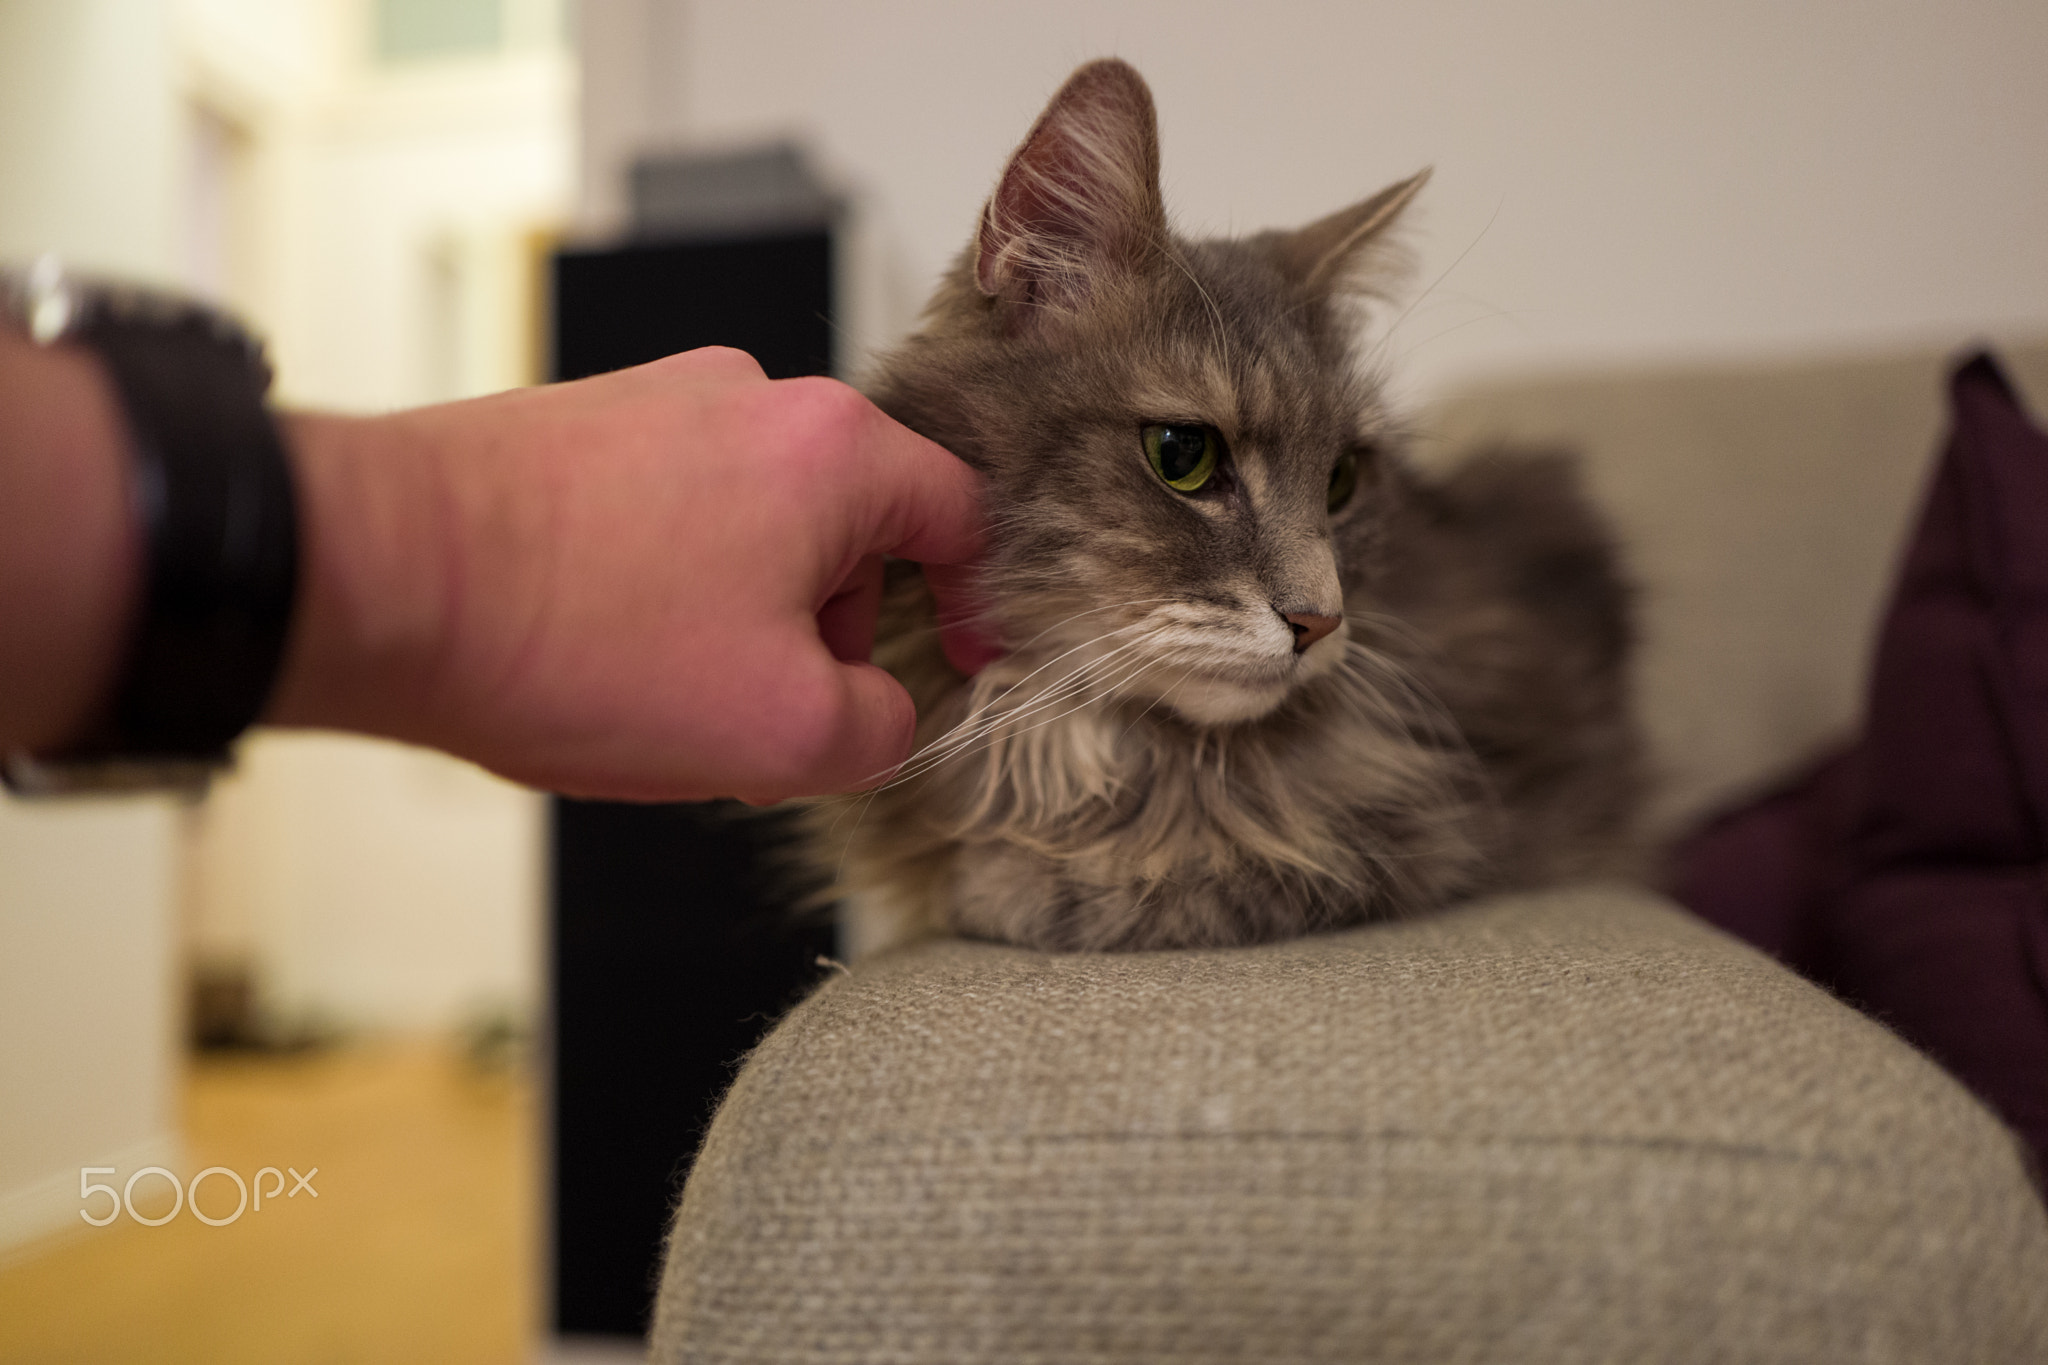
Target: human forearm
{"x":659,"y":583}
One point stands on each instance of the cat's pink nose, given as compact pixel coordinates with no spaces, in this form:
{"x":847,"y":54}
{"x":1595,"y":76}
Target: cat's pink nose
{"x":1308,"y":628}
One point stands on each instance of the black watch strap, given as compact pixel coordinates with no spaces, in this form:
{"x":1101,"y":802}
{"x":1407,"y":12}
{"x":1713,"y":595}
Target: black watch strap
{"x":214,"y":500}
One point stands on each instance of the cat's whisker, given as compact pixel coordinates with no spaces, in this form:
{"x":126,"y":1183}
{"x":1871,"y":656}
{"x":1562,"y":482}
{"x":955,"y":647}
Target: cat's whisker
{"x":984,"y":617}
{"x":961,"y":742}
{"x":998,"y":774}
{"x":986,"y":705}
{"x":1489,"y":313}
{"x":1373,"y":704}
{"x":1093,"y":611}
{"x":1393,"y":625}
{"x":1129,"y":671}
{"x":988,"y":716}
{"x":1387,"y":336}
{"x":863,"y":805}
{"x":1166,"y":697}
{"x":994,"y":775}
{"x":1077,"y":682}
{"x":1431,"y":708}
{"x":1139,"y":625}
{"x":1168,"y":250}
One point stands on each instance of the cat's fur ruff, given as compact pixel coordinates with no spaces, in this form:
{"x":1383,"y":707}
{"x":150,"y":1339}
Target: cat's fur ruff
{"x":1153,"y":765}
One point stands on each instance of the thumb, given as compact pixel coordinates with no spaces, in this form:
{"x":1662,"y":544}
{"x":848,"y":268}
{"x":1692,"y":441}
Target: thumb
{"x":868,"y":728}
{"x":965,"y":631}
{"x":877,"y":726}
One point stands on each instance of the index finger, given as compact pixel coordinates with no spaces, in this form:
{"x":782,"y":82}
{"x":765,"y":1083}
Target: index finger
{"x":928,"y":502}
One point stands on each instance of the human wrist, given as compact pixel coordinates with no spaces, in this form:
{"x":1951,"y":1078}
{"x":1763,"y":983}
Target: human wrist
{"x":373,"y":603}
{"x":211,"y":570}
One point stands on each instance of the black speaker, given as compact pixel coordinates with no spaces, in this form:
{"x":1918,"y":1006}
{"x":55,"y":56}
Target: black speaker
{"x":674,"y":943}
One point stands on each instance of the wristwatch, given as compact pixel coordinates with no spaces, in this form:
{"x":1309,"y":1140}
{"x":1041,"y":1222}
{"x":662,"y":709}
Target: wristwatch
{"x":212,"y":494}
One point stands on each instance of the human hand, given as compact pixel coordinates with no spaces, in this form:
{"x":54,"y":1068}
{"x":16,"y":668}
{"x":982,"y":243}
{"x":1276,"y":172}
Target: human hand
{"x":657,"y":584}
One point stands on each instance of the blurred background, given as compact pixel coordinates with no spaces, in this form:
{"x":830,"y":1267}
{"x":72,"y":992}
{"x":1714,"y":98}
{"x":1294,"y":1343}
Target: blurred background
{"x":336,"y":958}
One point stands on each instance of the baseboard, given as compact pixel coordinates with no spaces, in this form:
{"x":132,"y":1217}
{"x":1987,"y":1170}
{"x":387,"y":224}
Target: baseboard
{"x":48,"y":1207}
{"x":588,"y":1350}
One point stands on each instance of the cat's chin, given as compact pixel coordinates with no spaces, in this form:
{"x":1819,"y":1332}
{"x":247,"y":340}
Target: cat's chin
{"x":1220,"y":701}
{"x":1214,"y":696}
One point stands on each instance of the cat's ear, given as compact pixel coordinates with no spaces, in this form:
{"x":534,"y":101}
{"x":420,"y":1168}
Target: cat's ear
{"x":1323,"y":255}
{"x":1080,"y":198}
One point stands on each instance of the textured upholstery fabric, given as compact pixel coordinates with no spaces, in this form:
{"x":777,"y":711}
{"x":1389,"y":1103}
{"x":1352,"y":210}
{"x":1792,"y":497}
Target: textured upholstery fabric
{"x":1580,"y":1126}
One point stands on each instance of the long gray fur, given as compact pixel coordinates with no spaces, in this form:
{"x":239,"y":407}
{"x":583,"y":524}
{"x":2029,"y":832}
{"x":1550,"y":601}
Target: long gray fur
{"x":1153,"y":765}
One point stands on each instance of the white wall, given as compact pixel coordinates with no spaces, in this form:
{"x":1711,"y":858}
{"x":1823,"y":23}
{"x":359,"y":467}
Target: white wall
{"x":398,"y":175}
{"x":88,"y":154}
{"x":88,"y":1015}
{"x":370,"y":884}
{"x":1614,"y":181}
{"x":87,"y":890}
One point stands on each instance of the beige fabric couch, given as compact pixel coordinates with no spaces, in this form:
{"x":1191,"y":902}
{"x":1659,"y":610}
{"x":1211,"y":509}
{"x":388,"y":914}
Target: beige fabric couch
{"x":1577,"y":1126}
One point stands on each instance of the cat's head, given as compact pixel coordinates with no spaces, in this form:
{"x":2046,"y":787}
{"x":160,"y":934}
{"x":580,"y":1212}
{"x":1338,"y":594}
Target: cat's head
{"x":1182,"y":458}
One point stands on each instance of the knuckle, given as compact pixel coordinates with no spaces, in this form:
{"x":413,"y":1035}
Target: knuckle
{"x":829,"y":416}
{"x":727,"y":360}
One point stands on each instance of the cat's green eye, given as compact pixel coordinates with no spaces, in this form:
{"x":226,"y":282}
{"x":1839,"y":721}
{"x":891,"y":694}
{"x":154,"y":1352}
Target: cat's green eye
{"x":1343,"y":480}
{"x":1183,"y":453}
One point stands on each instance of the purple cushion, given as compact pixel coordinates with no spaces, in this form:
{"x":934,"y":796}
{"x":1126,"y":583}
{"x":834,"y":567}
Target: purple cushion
{"x":1909,"y":873}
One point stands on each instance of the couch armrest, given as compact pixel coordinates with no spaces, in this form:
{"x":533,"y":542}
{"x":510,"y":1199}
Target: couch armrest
{"x":1576,"y":1125}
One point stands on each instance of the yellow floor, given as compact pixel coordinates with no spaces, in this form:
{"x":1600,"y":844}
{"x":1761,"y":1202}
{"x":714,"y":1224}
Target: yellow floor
{"x":420,"y":1246}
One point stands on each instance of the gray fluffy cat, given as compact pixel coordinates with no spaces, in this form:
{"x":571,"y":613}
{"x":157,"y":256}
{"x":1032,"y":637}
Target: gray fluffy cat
{"x":1263,"y":678}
